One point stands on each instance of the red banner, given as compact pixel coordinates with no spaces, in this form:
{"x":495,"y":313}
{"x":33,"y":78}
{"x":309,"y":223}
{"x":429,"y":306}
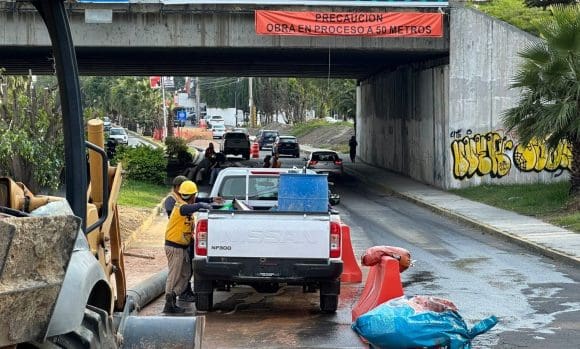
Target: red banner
{"x":374,"y":24}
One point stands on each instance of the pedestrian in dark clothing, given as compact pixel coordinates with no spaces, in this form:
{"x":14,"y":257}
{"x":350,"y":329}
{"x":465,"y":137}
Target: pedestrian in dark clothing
{"x":267,"y":163}
{"x":216,"y":167}
{"x":352,"y":143}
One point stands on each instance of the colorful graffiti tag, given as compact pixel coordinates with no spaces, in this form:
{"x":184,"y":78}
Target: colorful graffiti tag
{"x":481,"y":154}
{"x":537,"y":157}
{"x":488,"y":154}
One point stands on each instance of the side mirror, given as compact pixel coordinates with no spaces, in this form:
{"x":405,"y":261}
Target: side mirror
{"x":202,"y":194}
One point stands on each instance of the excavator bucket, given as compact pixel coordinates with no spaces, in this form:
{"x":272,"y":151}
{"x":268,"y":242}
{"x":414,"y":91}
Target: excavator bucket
{"x":34,"y":255}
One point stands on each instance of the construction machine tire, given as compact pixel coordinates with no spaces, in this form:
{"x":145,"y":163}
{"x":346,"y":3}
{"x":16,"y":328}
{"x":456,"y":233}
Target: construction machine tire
{"x":95,"y":332}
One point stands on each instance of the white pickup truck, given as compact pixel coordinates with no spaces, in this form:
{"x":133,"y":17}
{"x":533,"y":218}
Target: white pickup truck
{"x":263,"y":248}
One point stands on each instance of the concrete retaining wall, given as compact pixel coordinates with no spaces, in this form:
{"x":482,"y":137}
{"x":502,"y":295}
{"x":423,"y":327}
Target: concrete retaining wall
{"x":442,"y":125}
{"x":401,"y":122}
{"x":483,"y":60}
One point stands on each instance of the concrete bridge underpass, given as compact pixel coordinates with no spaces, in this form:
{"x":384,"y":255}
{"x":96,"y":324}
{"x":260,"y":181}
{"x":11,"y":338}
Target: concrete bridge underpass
{"x":422,"y":103}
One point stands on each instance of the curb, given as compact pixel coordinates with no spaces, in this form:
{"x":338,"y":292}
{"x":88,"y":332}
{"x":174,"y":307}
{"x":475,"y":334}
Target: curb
{"x":144,"y":226}
{"x":529,"y":245}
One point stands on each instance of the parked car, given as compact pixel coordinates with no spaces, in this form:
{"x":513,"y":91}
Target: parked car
{"x":119,"y":135}
{"x":107,"y":124}
{"x":326,"y":161}
{"x":286,"y":145}
{"x":236,"y":143}
{"x":218,"y":131}
{"x":266,"y":138}
{"x":215,"y":120}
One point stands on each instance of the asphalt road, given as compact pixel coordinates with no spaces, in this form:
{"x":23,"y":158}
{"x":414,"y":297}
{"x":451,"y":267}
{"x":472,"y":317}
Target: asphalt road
{"x":536,"y":300}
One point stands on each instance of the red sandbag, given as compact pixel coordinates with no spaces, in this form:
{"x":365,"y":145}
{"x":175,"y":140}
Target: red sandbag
{"x":374,"y":254}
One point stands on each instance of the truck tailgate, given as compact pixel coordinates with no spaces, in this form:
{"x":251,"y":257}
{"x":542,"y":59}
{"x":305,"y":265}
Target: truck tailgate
{"x":268,"y":235}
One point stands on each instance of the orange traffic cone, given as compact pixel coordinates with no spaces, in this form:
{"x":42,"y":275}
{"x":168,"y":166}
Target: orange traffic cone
{"x":383,"y":283}
{"x":350,"y":269}
{"x":255,"y":150}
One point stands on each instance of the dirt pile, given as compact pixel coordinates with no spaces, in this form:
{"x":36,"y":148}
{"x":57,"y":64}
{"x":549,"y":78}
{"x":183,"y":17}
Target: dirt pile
{"x":331,"y":136}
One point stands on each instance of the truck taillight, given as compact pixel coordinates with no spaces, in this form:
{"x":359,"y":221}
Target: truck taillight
{"x":312,"y":162}
{"x":335,"y":233}
{"x":201,"y":237}
{"x":338,"y":162}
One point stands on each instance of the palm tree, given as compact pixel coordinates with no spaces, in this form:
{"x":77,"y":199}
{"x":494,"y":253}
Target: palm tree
{"x":549,"y":77}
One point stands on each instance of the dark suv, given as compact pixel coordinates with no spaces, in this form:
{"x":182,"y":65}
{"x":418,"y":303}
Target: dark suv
{"x":266,"y":138}
{"x":286,"y":145}
{"x":237,"y":143}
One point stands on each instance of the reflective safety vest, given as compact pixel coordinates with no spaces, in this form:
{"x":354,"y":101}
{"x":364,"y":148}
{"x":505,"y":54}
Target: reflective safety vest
{"x":179,"y":228}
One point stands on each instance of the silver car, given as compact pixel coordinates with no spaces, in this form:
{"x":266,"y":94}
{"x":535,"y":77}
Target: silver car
{"x":119,"y":135}
{"x":326,"y":161}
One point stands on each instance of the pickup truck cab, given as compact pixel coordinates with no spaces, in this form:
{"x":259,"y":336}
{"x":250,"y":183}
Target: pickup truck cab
{"x":263,"y":248}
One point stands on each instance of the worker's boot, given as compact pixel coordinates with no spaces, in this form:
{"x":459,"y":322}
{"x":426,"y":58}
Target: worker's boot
{"x":170,"y":305}
{"x":187,"y":295}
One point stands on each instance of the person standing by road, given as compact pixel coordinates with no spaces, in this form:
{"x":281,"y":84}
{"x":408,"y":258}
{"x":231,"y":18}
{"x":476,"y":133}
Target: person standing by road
{"x":276,"y":161}
{"x":177,"y":241}
{"x":352,"y":143}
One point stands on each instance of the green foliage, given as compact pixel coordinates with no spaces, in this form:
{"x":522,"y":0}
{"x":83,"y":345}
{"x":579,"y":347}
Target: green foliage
{"x":549,"y":78}
{"x":130,"y":99}
{"x":545,"y":3}
{"x":304,"y":128}
{"x":545,"y":201}
{"x":143,"y":163}
{"x":141,"y":194}
{"x":175,"y":145}
{"x":514,"y":12}
{"x":31,"y":138}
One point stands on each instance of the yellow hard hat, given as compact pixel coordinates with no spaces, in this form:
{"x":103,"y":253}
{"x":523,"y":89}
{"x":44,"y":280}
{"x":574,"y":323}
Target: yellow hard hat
{"x":187,"y":188}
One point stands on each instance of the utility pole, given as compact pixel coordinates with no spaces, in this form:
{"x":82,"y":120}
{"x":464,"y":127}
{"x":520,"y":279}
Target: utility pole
{"x":164,"y":108}
{"x":252,"y":108}
{"x":236,"y":101}
{"x":197,"y":110}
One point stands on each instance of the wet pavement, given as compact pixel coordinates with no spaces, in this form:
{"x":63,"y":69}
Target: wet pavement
{"x":535,"y":297}
{"x":534,"y":234}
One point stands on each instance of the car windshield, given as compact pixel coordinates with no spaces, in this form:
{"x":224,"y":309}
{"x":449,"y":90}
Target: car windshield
{"x":117,"y":131}
{"x":288,"y":140}
{"x":270,"y":134}
{"x":235,"y":135}
{"x":218,"y":127}
{"x":324,"y":157}
{"x":216,"y":118}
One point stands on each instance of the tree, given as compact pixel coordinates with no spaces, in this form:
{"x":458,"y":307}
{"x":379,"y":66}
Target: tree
{"x":31,"y":138}
{"x":549,"y":77}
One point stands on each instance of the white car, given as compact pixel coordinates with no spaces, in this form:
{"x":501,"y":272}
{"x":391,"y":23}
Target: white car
{"x":218,"y":131}
{"x":215,"y":120}
{"x":119,"y":135}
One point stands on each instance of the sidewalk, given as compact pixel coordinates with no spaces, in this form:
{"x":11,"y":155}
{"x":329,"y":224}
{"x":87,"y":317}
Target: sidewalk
{"x":549,"y":240}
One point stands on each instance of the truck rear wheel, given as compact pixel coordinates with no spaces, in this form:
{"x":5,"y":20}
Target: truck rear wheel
{"x":204,"y":301}
{"x":328,"y":303}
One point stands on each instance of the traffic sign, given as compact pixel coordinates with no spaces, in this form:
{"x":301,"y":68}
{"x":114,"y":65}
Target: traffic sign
{"x":182,"y":115}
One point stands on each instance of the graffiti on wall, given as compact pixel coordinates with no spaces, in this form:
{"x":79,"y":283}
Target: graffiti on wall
{"x":481,"y":154}
{"x":489,"y":154}
{"x":536,"y":156}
